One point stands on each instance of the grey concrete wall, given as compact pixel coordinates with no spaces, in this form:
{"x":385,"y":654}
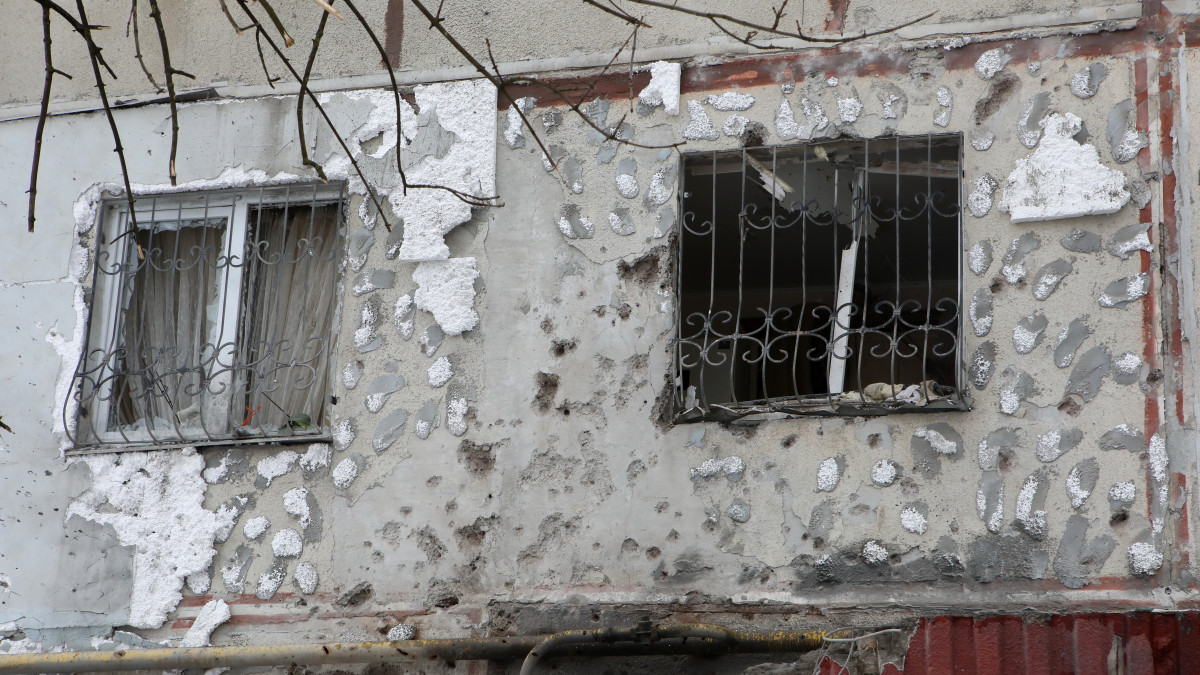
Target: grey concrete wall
{"x":545,"y":472}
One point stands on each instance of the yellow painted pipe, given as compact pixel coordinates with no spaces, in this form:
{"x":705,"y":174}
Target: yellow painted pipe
{"x":683,"y":639}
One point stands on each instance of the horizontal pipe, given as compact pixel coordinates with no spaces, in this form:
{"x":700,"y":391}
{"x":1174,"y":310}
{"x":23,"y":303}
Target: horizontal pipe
{"x":685,"y":639}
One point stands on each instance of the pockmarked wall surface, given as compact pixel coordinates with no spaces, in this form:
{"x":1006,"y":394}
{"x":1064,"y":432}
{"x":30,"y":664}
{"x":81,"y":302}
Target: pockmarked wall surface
{"x":505,"y":453}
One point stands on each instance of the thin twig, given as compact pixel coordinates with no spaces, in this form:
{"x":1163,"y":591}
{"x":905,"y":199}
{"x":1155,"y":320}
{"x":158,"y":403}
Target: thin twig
{"x":312,"y":57}
{"x":84,"y":29}
{"x":95,"y":59}
{"x":170,"y":73}
{"x":225,"y":11}
{"x":43,"y":114}
{"x":287,"y":39}
{"x":619,"y":13}
{"x":306,"y":91}
{"x":137,"y":44}
{"x":258,"y":32}
{"x":715,"y":17}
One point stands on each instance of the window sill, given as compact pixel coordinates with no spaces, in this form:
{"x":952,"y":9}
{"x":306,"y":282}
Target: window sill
{"x":315,"y":436}
{"x":847,"y":405}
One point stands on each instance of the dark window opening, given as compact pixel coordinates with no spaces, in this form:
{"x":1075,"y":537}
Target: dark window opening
{"x":821,"y":278}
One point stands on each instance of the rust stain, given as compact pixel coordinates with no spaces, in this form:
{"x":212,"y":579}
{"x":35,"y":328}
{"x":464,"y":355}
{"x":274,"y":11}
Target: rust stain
{"x":393,"y":31}
{"x":835,"y":20}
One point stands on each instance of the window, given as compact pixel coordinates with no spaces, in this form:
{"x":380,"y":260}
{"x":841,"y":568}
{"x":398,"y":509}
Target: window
{"x":211,"y":319}
{"x":821,"y":279}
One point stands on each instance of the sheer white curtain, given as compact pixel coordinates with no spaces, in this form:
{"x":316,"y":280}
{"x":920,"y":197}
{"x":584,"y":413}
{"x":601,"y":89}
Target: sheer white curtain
{"x":291,"y":272}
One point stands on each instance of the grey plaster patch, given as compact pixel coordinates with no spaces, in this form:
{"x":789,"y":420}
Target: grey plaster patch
{"x":223,"y":466}
{"x":381,"y":389}
{"x":814,"y":118}
{"x":389,"y":430}
{"x":696,"y":438}
{"x":893,"y":102}
{"x":989,"y":501}
{"x":1125,"y":139}
{"x":233,"y":573}
{"x":608,"y":149}
{"x":621,"y":221}
{"x":1127,"y":368}
{"x":552,"y":159}
{"x":1028,"y":333}
{"x":1007,"y":557}
{"x":551,"y":119}
{"x":991,"y":62}
{"x":573,"y":225}
{"x":360,"y":244}
{"x":1081,"y":480}
{"x":983,"y":363}
{"x":352,"y":373}
{"x":425,"y":419}
{"x":1088,"y":373}
{"x":739,"y":510}
{"x":1123,"y":437}
{"x":514,"y":128}
{"x":596,"y":112}
{"x":269,"y":581}
{"x":979,"y":259}
{"x":1029,"y":129}
{"x":664,"y":221}
{"x":947,"y":558}
{"x":1086,"y":82}
{"x":982,"y":139}
{"x":997,"y":445}
{"x":372,"y":280}
{"x":980,"y":312}
{"x":572,"y":170}
{"x":1049,"y":276}
{"x":1053,"y":444}
{"x":980,"y":200}
{"x":367,"y":337}
{"x":1069,"y":340}
{"x":932,"y":442}
{"x":1030,"y":511}
{"x":1081,"y":241}
{"x":431,"y":339}
{"x":395,"y":240}
{"x":1015,"y":386}
{"x":1125,"y":241}
{"x":1078,"y":557}
{"x":1013,"y":267}
{"x":431,"y":139}
{"x":822,"y":519}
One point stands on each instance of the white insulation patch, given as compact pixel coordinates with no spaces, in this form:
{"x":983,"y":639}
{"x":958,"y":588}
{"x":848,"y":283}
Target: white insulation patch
{"x":447,"y":290}
{"x":154,"y":502}
{"x":466,"y":109}
{"x":1063,"y":178}
{"x":663,"y":88}
{"x":213,"y":614}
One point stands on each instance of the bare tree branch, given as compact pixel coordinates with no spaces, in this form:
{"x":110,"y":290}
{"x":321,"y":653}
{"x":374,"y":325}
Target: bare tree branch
{"x":619,"y":13}
{"x":42,"y":114}
{"x":137,"y":44}
{"x":287,"y":39}
{"x":312,"y":57}
{"x":306,"y":91}
{"x":85,"y":31}
{"x":170,"y":73}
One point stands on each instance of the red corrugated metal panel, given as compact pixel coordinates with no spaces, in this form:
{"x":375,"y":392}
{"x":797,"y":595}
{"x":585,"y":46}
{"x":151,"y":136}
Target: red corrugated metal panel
{"x":1137,"y":643}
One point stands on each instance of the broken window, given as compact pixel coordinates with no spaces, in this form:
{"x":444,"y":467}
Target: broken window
{"x":211,"y":319}
{"x":821,"y":279}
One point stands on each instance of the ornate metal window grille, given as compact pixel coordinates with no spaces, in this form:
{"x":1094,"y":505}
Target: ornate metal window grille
{"x":821,"y":279}
{"x":212,"y":320}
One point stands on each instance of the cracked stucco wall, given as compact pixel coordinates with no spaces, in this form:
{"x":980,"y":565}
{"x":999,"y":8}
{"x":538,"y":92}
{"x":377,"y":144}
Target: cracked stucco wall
{"x":500,"y":436}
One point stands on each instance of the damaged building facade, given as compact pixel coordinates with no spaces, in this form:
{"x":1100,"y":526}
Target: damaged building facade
{"x":886,"y":333}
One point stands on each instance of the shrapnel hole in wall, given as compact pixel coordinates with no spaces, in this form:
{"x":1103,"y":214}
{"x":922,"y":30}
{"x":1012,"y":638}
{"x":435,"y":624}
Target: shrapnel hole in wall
{"x":821,"y":278}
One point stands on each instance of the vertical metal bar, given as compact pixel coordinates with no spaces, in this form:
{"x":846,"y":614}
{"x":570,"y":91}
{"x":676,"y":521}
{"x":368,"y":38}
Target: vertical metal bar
{"x":770,"y":317}
{"x":737,"y":318}
{"x":865,"y":257}
{"x":928,"y":262}
{"x":959,"y":384}
{"x":680,"y":390}
{"x":895,"y":375}
{"x":796,"y":354}
{"x":712,"y":273}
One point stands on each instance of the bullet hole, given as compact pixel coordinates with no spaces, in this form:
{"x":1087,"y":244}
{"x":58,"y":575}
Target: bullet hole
{"x":1155,"y":376}
{"x":652,"y":553}
{"x":600,"y":310}
{"x":629,"y":546}
{"x":547,"y":389}
{"x":818,"y":543}
{"x":1118,"y":518}
{"x":561,"y":347}
{"x":356,"y":596}
{"x":565,"y":411}
{"x":623,"y":311}
{"x":788,"y":441}
{"x":595,"y":617}
{"x":433,"y":481}
{"x":753,"y":136}
{"x":661,"y":506}
{"x":547,"y":325}
{"x":673,"y":536}
{"x":1070,"y":406}
{"x":997,"y":285}
{"x":873,"y":440}
{"x":642,"y":270}
{"x":479,"y":458}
